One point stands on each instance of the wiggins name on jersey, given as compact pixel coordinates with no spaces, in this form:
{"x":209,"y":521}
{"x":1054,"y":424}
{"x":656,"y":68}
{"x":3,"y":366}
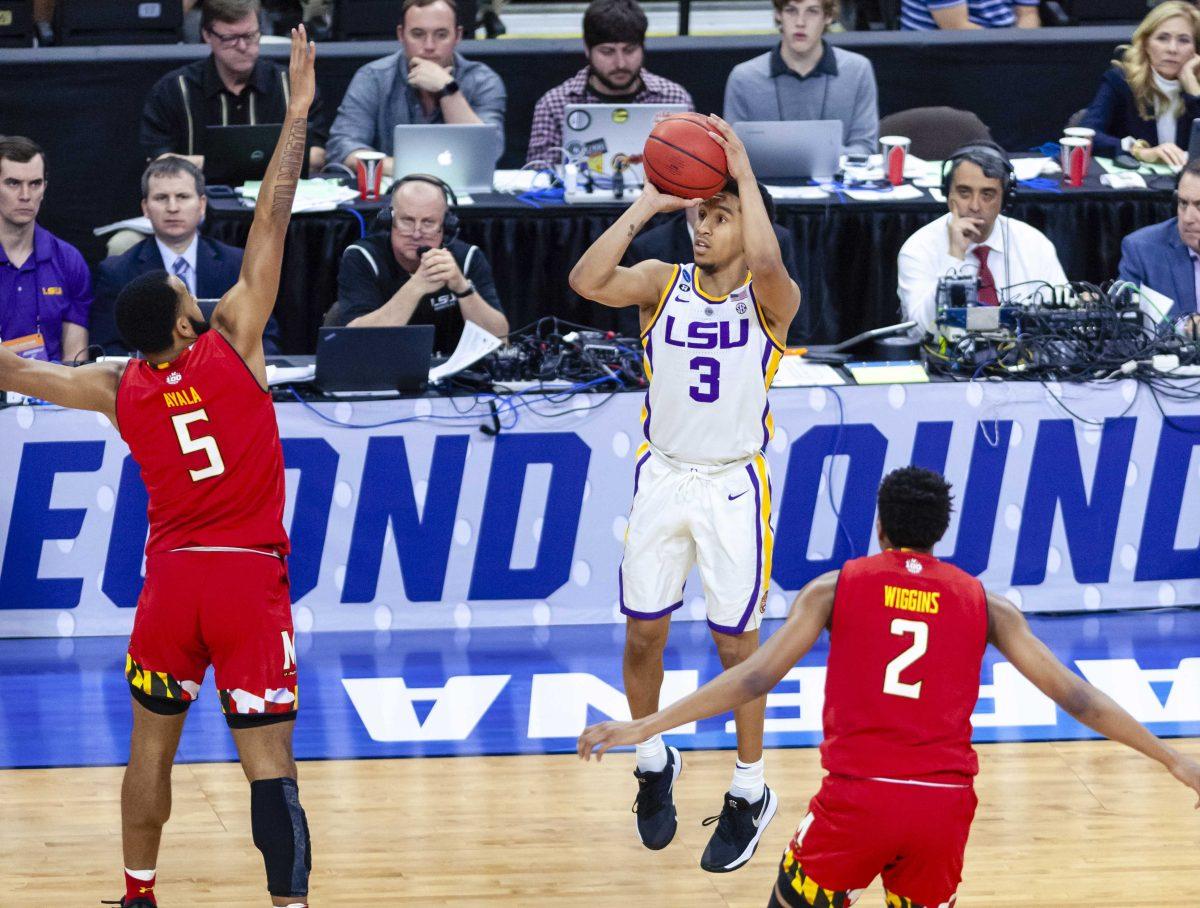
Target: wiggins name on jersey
{"x":710,"y":361}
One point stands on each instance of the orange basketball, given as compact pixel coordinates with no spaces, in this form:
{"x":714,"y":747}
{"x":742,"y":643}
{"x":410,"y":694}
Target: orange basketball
{"x":682,"y":159}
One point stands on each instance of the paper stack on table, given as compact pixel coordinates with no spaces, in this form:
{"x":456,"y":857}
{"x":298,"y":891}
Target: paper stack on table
{"x":311,"y":195}
{"x":474,"y":344}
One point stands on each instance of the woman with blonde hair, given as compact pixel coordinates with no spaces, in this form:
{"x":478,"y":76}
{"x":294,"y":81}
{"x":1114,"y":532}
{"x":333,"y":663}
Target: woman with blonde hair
{"x":1148,"y":99}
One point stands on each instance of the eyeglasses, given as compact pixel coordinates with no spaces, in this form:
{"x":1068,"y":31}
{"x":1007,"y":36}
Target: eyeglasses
{"x":412,"y":227}
{"x":246,"y":38}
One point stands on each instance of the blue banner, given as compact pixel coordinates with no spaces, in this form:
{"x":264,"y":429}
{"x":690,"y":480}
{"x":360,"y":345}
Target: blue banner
{"x":403,"y":515}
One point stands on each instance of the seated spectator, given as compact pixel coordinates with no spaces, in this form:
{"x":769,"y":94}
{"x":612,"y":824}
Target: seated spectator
{"x":614,"y":41}
{"x":671,"y":241}
{"x":1010,"y":258}
{"x":418,"y":272}
{"x":1166,"y":257}
{"x":174,"y":201}
{"x":426,"y":81}
{"x":232,"y":86}
{"x":1149,"y":97}
{"x":931,"y":15}
{"x":806,"y":78}
{"x":45,"y":288}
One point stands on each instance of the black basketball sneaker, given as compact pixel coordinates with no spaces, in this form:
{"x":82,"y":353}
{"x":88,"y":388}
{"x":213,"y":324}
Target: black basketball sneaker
{"x":655,"y":808}
{"x":740,"y":825}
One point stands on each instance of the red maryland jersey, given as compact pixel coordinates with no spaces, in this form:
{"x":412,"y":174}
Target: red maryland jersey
{"x":906,"y":648}
{"x":205,"y":435}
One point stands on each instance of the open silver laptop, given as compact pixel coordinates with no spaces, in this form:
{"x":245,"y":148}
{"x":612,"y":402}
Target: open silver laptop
{"x":463,"y":155}
{"x":792,"y":149}
{"x":593,"y":134}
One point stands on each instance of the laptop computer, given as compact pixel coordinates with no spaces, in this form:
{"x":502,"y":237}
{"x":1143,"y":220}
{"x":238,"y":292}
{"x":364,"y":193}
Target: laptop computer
{"x":595,"y":133}
{"x":792,"y":149}
{"x":373,"y":361}
{"x":235,"y":154}
{"x":462,"y":155}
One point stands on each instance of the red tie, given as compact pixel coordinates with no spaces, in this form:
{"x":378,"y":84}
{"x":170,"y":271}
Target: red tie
{"x":987,"y":282}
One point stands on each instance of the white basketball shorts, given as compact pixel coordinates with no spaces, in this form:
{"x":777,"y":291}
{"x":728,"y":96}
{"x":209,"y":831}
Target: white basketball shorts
{"x":716,"y":517}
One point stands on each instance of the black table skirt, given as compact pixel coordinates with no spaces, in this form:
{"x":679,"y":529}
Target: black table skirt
{"x":846,"y":253}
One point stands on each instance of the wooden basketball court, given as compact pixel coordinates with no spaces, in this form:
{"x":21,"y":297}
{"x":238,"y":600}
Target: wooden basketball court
{"x":1079,"y":823}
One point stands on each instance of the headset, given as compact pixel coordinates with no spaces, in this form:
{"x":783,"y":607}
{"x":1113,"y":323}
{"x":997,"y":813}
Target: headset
{"x":993,"y":152}
{"x":450,"y":224}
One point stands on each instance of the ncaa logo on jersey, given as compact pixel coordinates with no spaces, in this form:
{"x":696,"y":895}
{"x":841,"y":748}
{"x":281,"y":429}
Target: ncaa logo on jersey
{"x":174,"y":378}
{"x":913,"y":566}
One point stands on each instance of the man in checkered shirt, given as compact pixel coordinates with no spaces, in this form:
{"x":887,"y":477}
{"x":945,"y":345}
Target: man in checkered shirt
{"x":614,"y":35}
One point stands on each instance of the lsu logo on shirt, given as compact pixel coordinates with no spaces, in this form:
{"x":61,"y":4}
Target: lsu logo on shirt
{"x":52,"y":291}
{"x":909,"y":600}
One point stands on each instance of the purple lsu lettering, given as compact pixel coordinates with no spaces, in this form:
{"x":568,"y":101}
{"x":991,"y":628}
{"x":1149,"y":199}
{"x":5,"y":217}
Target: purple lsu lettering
{"x":709,"y":335}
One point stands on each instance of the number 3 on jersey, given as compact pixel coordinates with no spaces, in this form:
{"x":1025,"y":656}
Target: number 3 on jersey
{"x":892,"y":684}
{"x":708,"y":387}
{"x":205,"y":443}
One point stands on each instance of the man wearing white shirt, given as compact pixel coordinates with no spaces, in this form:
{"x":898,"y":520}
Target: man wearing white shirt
{"x":1014,"y":262}
{"x":173,"y":199}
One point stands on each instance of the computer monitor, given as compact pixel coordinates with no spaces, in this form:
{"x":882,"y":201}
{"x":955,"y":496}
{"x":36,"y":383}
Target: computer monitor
{"x":373,"y":360}
{"x":460,"y":155}
{"x":235,"y":154}
{"x":792,"y":149}
{"x":594,"y":134}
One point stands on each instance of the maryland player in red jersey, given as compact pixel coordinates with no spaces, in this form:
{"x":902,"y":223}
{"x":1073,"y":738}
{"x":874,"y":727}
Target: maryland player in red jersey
{"x":199,"y":421}
{"x":907,"y":638}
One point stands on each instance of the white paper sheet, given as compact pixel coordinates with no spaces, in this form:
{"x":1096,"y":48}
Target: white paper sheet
{"x":141,"y":225}
{"x":289,"y":375}
{"x":797,"y":192}
{"x":1156,"y":306}
{"x":902,"y":193}
{"x":797,"y":372}
{"x":311,"y":195}
{"x":474,"y":344}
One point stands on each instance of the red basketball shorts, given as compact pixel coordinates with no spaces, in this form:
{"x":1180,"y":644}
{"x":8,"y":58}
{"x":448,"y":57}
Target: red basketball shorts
{"x":912,"y":835}
{"x":228,"y":609}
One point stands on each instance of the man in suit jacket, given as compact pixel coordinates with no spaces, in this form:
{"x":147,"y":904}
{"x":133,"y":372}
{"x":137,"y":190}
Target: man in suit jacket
{"x":671,"y":241}
{"x":1166,"y":257}
{"x":173,"y":199}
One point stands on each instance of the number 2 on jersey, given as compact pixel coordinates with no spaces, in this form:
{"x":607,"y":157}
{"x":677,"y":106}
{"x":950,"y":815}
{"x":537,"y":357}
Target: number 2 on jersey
{"x":708,"y":387}
{"x":205,"y":443}
{"x":892,"y":684}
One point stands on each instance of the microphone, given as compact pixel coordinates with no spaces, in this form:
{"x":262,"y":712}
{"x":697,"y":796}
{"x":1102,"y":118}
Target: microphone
{"x":421,"y":250}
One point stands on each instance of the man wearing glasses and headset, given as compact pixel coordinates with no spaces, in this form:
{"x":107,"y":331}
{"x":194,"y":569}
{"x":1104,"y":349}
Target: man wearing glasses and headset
{"x":230,"y":87}
{"x":413,"y":270}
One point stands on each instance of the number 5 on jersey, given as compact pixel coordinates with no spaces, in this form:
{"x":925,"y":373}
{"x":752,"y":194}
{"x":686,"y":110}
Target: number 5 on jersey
{"x":205,"y":443}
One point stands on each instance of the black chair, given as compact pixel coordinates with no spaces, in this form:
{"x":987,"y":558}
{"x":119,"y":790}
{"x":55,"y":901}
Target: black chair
{"x":16,"y":23}
{"x":87,"y":22}
{"x":1105,"y":12}
{"x":935,"y":132}
{"x":376,"y":20}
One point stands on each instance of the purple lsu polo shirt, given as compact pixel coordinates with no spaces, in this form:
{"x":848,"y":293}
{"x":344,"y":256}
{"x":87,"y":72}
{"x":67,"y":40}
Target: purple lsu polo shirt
{"x":52,"y":286}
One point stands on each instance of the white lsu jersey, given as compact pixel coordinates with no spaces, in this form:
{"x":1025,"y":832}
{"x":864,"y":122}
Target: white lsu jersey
{"x":709,"y":361}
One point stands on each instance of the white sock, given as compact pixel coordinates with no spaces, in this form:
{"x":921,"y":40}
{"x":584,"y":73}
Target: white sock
{"x":652,"y":755}
{"x":748,"y":781}
{"x":144,"y":875}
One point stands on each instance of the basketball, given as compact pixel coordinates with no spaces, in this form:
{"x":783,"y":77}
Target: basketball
{"x":683,"y":160}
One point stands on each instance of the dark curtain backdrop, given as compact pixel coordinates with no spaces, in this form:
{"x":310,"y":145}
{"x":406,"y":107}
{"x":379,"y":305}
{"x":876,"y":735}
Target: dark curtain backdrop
{"x":846,"y":254}
{"x":82,"y":104}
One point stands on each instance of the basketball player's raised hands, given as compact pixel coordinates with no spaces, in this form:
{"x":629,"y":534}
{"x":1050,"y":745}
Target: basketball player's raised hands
{"x":302,"y":76}
{"x":736,"y":160}
{"x":1187,"y":771}
{"x":664,"y":202}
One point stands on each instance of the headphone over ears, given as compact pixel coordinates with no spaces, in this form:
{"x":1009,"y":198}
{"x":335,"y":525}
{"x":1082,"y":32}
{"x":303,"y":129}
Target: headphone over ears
{"x":992,"y":152}
{"x":450,"y":224}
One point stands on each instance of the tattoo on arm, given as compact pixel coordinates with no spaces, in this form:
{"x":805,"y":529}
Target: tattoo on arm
{"x":290,"y":165}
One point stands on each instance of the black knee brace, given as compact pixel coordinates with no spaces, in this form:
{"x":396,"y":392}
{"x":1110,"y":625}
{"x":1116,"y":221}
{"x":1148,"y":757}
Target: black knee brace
{"x":281,"y":834}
